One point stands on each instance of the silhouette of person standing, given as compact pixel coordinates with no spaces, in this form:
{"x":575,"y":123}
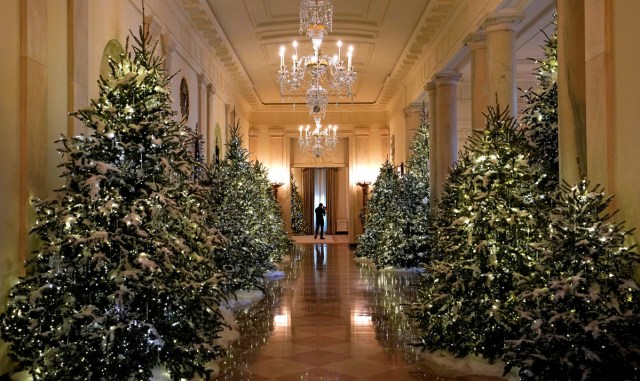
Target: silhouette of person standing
{"x":321,"y":210}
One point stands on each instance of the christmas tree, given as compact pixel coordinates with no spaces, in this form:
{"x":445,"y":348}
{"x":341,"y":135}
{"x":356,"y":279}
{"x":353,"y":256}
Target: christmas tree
{"x":382,"y":231}
{"x":541,"y":114}
{"x":247,"y":214}
{"x":414,"y":197}
{"x":418,"y":163}
{"x":397,"y":222}
{"x":581,"y":309}
{"x":122,"y":281}
{"x":298,"y":223}
{"x":490,"y":211}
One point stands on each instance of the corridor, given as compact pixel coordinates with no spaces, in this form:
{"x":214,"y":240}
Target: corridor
{"x":329,"y":318}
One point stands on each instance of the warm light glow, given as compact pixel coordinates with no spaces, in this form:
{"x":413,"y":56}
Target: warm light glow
{"x":361,"y":320}
{"x":317,"y":76}
{"x":281,"y":320}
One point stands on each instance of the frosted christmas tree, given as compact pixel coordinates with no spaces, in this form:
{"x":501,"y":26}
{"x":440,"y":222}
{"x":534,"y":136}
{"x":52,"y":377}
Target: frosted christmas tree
{"x":123,"y":281}
{"x":581,"y":308}
{"x":382,"y":236}
{"x":418,"y":163}
{"x":489,"y":214}
{"x":247,"y":214}
{"x":397,"y":222}
{"x":541,"y":114}
{"x":298,"y":223}
{"x":414,"y":198}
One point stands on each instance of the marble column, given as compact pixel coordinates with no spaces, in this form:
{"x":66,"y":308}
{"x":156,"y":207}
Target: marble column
{"x":433,"y":147}
{"x":477,"y":43}
{"x":201,"y":125}
{"x":210,"y":145}
{"x":572,"y":90}
{"x":501,"y":73}
{"x":446,"y":125}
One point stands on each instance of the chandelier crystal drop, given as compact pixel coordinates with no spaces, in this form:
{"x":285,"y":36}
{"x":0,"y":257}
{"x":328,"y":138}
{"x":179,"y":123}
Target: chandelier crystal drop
{"x":317,"y":100}
{"x":317,"y":142}
{"x":316,"y":18}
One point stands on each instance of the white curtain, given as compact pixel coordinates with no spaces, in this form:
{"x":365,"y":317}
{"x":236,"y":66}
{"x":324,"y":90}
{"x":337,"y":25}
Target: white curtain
{"x":319,"y":192}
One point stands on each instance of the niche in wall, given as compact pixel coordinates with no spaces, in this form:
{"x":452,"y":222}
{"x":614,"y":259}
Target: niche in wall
{"x":114,"y":50}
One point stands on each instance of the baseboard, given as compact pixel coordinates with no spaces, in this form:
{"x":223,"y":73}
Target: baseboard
{"x":341,"y":233}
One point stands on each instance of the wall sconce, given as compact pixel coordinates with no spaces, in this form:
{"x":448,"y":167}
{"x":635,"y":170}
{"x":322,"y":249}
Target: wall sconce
{"x":364,"y":184}
{"x":274,"y":188}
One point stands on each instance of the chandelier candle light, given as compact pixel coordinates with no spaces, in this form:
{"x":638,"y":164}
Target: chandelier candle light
{"x":322,"y":75}
{"x":317,"y":141}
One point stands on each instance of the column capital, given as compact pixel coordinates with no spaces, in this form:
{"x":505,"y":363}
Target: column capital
{"x":211,"y":88}
{"x":430,"y":86}
{"x":412,"y":108}
{"x":449,"y":78}
{"x":167,"y":43}
{"x":504,"y":19}
{"x":200,"y":79}
{"x":476,"y":40}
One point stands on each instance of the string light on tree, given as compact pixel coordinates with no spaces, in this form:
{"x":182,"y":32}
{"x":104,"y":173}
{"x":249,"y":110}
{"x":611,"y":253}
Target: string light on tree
{"x":123,"y":282}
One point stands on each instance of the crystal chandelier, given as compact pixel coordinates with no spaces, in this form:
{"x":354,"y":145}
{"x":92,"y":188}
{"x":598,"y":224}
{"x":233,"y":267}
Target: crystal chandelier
{"x":317,"y":142}
{"x":316,"y":76}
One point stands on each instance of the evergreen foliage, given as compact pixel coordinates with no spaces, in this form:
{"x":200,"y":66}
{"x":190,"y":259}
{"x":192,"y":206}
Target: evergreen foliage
{"x":298,"y":223}
{"x":541,"y":114}
{"x":381,"y":213}
{"x":418,"y":163}
{"x":122,"y":281}
{"x":581,"y":309}
{"x":490,"y":212}
{"x":397,"y":222}
{"x":247,"y":214}
{"x":414,"y":196}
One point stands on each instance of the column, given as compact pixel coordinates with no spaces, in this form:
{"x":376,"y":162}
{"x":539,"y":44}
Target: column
{"x":78,"y":40}
{"x":477,"y":43}
{"x":501,"y":74}
{"x":12,"y":250}
{"x":210,"y":138}
{"x":433,"y":147}
{"x":572,"y":90}
{"x":201,"y":124}
{"x":168,"y":47}
{"x":411,"y":124}
{"x":446,"y":125}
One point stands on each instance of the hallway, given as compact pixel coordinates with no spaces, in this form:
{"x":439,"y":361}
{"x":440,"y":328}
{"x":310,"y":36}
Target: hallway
{"x":329,"y":318}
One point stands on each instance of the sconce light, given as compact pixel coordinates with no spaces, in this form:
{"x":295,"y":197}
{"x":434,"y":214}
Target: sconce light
{"x":364,"y":184}
{"x":274,"y":187}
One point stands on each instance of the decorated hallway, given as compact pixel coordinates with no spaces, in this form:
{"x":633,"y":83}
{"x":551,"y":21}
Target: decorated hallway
{"x":329,"y":318}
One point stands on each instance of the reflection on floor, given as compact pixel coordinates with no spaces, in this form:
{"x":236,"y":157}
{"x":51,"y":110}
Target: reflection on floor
{"x":328,"y":319}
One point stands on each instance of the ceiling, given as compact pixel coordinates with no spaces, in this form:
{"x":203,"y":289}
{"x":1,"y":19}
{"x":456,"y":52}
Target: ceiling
{"x":377,"y":30}
{"x":388,"y":38}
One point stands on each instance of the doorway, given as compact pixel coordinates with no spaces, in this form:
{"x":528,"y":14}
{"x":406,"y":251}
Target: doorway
{"x":319,"y":185}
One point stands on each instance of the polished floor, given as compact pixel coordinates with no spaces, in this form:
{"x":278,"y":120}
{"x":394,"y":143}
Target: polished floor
{"x":329,"y":318}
